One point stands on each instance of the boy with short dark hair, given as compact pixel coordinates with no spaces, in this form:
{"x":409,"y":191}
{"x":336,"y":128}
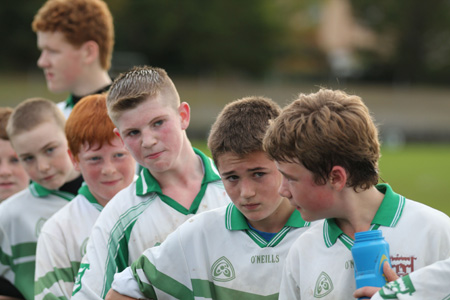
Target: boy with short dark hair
{"x":107,"y":167}
{"x":13,"y":177}
{"x":36,"y":131}
{"x":234,"y":252}
{"x":326,"y":146}
{"x":176,"y":182}
{"x":76,"y":39}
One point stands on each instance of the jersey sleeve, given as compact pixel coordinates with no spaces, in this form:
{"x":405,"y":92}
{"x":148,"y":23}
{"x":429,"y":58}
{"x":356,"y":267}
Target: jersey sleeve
{"x":93,"y":274}
{"x":55,"y":273}
{"x":289,"y":287}
{"x":161,"y":272}
{"x":430,"y":282}
{"x":6,"y":257}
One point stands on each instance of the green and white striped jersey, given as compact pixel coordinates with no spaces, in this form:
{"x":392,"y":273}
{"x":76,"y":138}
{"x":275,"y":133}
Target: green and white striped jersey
{"x":22,"y":217}
{"x":214,"y":255}
{"x":431,"y":283}
{"x":62,"y":244}
{"x":320,"y":263}
{"x":137,"y":218}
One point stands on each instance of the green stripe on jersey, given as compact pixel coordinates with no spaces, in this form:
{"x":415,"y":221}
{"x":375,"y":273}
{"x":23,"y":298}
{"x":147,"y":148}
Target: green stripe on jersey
{"x":117,"y":257}
{"x":143,"y":268}
{"x":49,"y":279}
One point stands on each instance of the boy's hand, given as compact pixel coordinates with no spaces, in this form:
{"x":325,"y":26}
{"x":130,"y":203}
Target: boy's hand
{"x":113,"y":295}
{"x":369,"y":291}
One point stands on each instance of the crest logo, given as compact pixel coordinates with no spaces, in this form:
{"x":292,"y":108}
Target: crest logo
{"x":324,"y":285}
{"x":39,"y":225}
{"x":222,"y":270}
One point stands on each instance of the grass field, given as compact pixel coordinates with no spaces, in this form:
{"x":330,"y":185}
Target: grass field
{"x":416,"y":171}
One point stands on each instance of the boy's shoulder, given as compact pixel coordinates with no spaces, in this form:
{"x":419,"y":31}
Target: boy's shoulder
{"x":16,"y":204}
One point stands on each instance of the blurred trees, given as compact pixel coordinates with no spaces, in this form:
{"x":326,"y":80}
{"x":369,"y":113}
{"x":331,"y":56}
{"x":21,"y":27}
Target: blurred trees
{"x":414,"y":39}
{"x":253,"y":37}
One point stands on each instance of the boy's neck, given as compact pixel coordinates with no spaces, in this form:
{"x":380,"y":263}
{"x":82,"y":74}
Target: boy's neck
{"x":183,"y":183}
{"x":360,"y":208}
{"x":276,"y":221}
{"x":72,"y":186}
{"x":91,"y":83}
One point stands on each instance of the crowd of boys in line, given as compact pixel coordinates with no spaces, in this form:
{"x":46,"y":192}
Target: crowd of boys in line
{"x":107,"y":199}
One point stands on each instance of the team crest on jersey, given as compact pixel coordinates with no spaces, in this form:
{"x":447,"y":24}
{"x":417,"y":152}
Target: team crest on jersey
{"x":39,"y":225}
{"x":324,"y":285}
{"x":83,"y":247}
{"x":222,"y":270}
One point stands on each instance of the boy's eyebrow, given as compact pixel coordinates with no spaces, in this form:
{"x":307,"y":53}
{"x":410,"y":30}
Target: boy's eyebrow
{"x":43,"y":147}
{"x":248,"y":170}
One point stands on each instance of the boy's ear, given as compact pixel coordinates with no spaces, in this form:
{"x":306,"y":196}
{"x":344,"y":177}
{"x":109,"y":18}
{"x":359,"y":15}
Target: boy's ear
{"x":116,"y":132}
{"x":90,"y":51}
{"x":75,"y":162}
{"x":185,"y":113}
{"x":338,"y":177}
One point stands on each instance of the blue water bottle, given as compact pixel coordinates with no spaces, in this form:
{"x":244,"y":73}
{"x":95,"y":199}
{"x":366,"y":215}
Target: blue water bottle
{"x":370,"y":251}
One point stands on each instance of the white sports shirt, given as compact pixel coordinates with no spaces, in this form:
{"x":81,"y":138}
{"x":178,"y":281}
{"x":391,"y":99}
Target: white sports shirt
{"x":62,"y":244}
{"x":21,"y":219}
{"x":431,"y":283}
{"x":320,"y":263}
{"x":137,"y":218}
{"x":214,"y":255}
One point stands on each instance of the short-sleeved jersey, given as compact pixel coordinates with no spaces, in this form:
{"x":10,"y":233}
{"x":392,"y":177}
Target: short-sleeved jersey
{"x":62,"y":244}
{"x":320,"y":263}
{"x":431,"y":283}
{"x":22,"y":217}
{"x":214,"y":255}
{"x":137,"y":218}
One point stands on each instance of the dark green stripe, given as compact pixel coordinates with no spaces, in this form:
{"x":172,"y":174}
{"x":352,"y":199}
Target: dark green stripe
{"x":64,"y":274}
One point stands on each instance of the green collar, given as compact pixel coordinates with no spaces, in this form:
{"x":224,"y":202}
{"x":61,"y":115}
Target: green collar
{"x":235,"y":220}
{"x":84,"y":190}
{"x":146,"y":184}
{"x":388,"y":215}
{"x":69,"y":102}
{"x":38,"y":190}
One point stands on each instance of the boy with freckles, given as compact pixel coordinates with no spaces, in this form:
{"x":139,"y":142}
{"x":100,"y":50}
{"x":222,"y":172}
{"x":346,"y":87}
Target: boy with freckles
{"x":233,"y":252}
{"x":107,"y":167}
{"x":36,"y":131}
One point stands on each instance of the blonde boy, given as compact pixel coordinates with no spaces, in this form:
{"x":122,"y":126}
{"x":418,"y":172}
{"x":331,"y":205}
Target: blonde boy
{"x":233,"y":252}
{"x":107,"y":167}
{"x":176,"y":182}
{"x":76,"y":40}
{"x":326,"y":146}
{"x":13,"y":177}
{"x":36,"y":132}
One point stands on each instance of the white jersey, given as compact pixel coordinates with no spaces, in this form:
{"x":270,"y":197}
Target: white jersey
{"x":320,"y":263}
{"x":137,"y":218}
{"x":214,"y":255}
{"x":62,"y":244}
{"x":431,"y":283}
{"x":21,"y":219}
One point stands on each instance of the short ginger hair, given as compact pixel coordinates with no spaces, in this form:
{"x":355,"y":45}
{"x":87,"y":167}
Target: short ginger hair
{"x":89,"y":123}
{"x":240,"y":127}
{"x":325,"y":129}
{"x":79,"y":21}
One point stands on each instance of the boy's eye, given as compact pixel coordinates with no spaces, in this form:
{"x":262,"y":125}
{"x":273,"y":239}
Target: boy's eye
{"x":27,"y":159}
{"x":94,"y":158}
{"x":14,"y":160}
{"x":259,"y":174}
{"x":119,"y":155}
{"x":158,"y":123}
{"x":133,"y":132}
{"x":50,"y":150}
{"x":231,"y":178}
